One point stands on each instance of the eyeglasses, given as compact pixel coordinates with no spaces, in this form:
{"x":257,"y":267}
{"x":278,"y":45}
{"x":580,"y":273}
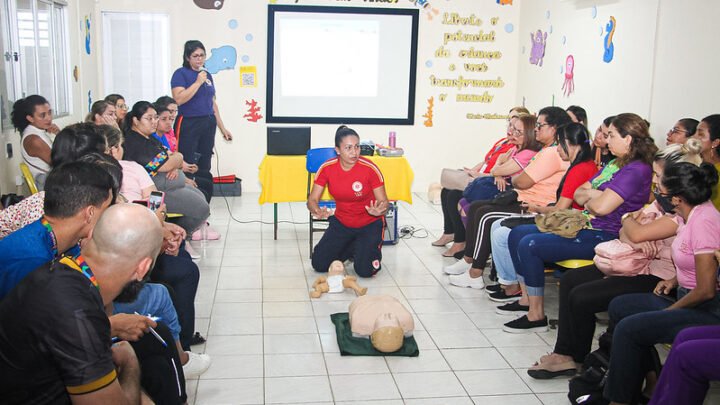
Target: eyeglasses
{"x":540,"y":125}
{"x":121,"y":106}
{"x":197,"y":55}
{"x":151,"y":119}
{"x":173,"y":112}
{"x":675,"y":130}
{"x":516,"y":131}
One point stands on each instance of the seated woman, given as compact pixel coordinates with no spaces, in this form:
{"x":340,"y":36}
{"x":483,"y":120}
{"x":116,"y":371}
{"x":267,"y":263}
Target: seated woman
{"x":643,"y":320}
{"x":573,"y":140}
{"x":508,"y":165}
{"x":32,"y":117}
{"x":600,"y":151}
{"x":577,"y":114}
{"x":121,"y":109}
{"x":356,"y":228}
{"x":682,"y":130}
{"x":164,"y":167}
{"x":168,"y":138}
{"x":102,"y":113}
{"x":453,"y":229}
{"x":537,"y":184}
{"x":691,"y":365}
{"x":623,"y":186}
{"x":708,"y":131}
{"x":586,"y":291}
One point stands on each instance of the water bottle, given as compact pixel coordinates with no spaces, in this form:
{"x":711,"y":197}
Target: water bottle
{"x":391,"y":139}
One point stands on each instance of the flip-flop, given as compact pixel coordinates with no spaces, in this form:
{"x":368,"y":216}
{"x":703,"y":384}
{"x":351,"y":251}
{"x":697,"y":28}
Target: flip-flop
{"x":440,"y":244}
{"x":566,"y":369}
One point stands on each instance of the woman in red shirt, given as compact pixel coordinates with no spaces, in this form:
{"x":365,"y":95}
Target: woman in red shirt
{"x":357,"y":224}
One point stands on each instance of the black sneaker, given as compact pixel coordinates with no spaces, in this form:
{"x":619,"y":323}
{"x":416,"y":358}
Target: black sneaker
{"x":501,"y":296}
{"x":512,"y":308}
{"x":523,"y":325}
{"x":493,"y":288}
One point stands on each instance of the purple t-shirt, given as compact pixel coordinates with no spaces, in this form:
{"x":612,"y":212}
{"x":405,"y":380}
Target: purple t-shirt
{"x":632,"y":184}
{"x":201,"y":103}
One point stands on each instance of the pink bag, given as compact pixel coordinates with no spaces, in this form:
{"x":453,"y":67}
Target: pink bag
{"x":616,"y":258}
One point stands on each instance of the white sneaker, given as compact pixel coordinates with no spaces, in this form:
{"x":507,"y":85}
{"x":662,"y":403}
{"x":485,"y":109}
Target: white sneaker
{"x":460,"y":267}
{"x":191,"y":251}
{"x":196,"y":365}
{"x":464,"y":280}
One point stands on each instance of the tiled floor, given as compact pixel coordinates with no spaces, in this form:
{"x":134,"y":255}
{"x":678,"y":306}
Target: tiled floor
{"x":271,"y":343}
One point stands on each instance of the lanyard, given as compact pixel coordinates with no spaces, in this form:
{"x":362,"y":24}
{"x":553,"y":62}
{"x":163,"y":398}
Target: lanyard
{"x":50,"y":232}
{"x":541,"y":149}
{"x":78,"y":263}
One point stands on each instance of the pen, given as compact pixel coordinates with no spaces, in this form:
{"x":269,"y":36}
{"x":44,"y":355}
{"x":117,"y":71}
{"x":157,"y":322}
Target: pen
{"x":155,"y":334}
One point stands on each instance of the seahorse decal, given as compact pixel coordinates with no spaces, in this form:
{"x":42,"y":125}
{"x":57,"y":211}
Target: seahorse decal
{"x":608,"y":44}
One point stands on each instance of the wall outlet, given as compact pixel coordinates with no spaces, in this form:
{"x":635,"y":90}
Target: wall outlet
{"x":8,"y":151}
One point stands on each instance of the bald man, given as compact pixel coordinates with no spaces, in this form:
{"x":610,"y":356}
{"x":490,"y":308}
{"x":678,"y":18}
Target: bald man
{"x":55,"y":342}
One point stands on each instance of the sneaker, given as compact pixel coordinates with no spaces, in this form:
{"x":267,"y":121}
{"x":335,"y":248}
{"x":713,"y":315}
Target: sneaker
{"x":501,"y":296}
{"x":206,"y":233}
{"x":464,"y":280}
{"x":512,"y":308}
{"x":459,"y":267}
{"x":493,"y":288}
{"x":523,"y":325}
{"x":191,"y":251}
{"x":198,"y":364}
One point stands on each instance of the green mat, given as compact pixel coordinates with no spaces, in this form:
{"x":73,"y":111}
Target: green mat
{"x":354,"y":346}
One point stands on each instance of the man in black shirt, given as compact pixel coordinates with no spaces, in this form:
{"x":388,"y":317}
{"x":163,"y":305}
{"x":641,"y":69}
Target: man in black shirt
{"x":55,"y":342}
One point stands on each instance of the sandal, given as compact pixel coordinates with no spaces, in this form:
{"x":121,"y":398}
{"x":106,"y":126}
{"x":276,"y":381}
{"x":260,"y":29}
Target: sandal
{"x":197,"y":339}
{"x":547,"y":371}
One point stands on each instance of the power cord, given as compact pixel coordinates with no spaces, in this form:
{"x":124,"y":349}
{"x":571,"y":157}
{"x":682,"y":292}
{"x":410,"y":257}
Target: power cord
{"x":227,"y":204}
{"x":409,"y":231}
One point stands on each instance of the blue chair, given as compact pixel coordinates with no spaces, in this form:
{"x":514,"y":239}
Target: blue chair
{"x":315,"y":158}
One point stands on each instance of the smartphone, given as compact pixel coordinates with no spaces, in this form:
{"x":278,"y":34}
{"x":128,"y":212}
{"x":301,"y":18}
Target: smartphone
{"x":196,"y":157}
{"x":157,"y":198}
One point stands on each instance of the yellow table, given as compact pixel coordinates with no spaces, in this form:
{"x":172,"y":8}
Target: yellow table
{"x":284,"y":179}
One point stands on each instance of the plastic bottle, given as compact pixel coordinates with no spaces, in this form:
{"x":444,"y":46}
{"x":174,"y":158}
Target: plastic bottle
{"x":391,"y":139}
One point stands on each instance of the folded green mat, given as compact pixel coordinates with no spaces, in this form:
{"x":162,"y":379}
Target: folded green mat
{"x":354,"y":346}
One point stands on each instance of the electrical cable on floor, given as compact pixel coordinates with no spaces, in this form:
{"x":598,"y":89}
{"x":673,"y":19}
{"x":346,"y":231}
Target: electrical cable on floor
{"x":409,"y":231}
{"x":227,"y":204}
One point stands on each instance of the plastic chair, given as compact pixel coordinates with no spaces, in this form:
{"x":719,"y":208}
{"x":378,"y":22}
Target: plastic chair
{"x":315,"y":158}
{"x":25,"y":170}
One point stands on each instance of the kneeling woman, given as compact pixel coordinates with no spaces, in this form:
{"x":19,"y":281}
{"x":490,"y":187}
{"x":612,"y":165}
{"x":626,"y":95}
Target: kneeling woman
{"x":357,"y":225}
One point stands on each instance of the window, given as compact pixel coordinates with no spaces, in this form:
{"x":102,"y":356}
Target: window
{"x":136,"y":56}
{"x":35,"y":52}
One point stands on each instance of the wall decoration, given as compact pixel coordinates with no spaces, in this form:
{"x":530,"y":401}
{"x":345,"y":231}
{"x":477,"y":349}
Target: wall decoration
{"x":593,"y":12}
{"x":538,"y":47}
{"x":509,"y":28}
{"x":425,"y":7}
{"x":547,"y":14}
{"x":429,"y":114}
{"x":233,"y":24}
{"x":568,"y":85}
{"x":76,"y":73}
{"x":564,"y":39}
{"x":86,"y":26}
{"x":221,"y":58}
{"x":245,"y":58}
{"x":505,"y":2}
{"x":209,"y":4}
{"x":608,"y":43}
{"x":429,"y":63}
{"x":253,"y":111}
{"x":249,"y":37}
{"x":89,"y":101}
{"x":248,"y":76}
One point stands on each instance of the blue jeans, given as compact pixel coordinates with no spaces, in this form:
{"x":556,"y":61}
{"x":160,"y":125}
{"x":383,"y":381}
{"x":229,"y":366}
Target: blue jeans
{"x":641,"y":322}
{"x":531,"y":249}
{"x":501,"y":254}
{"x":154,"y":300}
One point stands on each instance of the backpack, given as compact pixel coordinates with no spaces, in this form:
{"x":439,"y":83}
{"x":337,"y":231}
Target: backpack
{"x":587,"y":387}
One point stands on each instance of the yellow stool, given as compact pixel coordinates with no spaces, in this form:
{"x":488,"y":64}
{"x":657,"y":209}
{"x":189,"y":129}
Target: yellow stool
{"x":28,"y":178}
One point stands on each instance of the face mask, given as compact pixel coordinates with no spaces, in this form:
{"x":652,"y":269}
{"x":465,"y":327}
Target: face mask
{"x":665,"y":202}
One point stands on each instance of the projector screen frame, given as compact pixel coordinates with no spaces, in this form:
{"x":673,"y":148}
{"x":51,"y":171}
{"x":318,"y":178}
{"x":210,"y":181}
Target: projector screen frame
{"x":408,"y":120}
